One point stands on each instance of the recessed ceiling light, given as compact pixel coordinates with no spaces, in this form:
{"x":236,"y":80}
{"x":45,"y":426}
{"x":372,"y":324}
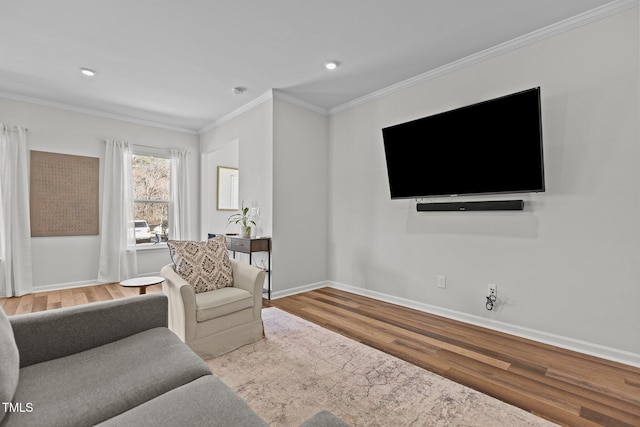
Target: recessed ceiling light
{"x":239,"y":90}
{"x":331,"y":65}
{"x":87,"y":72}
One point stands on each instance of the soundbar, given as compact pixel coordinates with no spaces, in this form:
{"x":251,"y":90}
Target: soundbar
{"x":491,"y":205}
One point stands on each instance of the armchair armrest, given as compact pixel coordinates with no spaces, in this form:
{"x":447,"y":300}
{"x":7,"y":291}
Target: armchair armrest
{"x":248,"y":277}
{"x":251,"y":279}
{"x":182,"y":303}
{"x":61,"y":332}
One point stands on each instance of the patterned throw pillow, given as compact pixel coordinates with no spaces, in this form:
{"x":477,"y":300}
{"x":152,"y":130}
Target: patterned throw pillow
{"x":204,"y":265}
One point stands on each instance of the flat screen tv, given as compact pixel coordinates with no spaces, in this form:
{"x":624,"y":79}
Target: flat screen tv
{"x":491,"y":147}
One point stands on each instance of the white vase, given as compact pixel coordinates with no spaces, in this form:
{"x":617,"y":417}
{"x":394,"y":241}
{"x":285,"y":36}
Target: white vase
{"x":243,"y":231}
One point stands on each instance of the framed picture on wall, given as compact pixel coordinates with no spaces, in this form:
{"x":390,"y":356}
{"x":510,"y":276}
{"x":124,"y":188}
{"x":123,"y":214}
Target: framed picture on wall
{"x":228,"y":187}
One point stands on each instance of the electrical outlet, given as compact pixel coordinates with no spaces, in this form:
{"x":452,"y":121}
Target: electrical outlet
{"x":493,"y":290}
{"x":442,"y":281}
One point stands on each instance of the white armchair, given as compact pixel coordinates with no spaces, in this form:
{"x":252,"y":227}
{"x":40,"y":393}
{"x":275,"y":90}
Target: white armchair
{"x":215,"y":322}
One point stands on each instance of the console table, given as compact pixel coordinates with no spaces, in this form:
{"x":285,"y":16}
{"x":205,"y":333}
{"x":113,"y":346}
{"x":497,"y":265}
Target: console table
{"x":249,"y":245}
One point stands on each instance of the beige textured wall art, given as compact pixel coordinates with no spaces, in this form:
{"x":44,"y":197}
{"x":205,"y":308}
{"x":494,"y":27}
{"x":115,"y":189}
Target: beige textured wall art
{"x":64,"y":194}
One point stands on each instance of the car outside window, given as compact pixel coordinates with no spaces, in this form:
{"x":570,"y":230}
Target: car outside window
{"x":152,"y":193}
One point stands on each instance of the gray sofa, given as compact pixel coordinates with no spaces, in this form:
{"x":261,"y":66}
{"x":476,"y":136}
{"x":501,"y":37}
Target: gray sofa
{"x":112,"y":363}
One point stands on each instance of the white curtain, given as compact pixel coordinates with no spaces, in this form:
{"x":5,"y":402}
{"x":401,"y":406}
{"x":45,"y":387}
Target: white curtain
{"x":178,"y":229}
{"x":15,"y":229}
{"x":118,"y":243}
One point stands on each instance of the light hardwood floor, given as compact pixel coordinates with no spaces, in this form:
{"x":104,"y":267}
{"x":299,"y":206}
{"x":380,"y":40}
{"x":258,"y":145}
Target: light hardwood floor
{"x":41,"y":301}
{"x":563,"y":386}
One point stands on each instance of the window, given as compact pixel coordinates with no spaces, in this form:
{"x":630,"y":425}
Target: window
{"x":152,"y":195}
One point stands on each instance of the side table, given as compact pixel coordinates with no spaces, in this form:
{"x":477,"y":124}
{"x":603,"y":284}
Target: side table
{"x":142,"y":283}
{"x":248,"y":245}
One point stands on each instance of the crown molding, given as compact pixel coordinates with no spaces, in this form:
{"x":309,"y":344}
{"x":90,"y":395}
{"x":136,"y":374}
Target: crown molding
{"x":517,"y":43}
{"x":279,"y":94}
{"x":82,"y":110}
{"x":235,"y":113}
{"x":270,"y":94}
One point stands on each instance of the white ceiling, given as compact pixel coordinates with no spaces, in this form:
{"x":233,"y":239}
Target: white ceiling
{"x":175,"y":62}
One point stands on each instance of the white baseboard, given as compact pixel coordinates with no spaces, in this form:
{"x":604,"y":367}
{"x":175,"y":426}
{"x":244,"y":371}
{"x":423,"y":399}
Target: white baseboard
{"x":79,"y":284}
{"x":584,"y":347}
{"x":61,"y":286}
{"x":299,"y":290}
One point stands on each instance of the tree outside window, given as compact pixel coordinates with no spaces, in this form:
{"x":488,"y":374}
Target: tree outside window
{"x":151,"y":193}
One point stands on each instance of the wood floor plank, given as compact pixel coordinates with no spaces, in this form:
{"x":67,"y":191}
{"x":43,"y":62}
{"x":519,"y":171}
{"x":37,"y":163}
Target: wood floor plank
{"x":26,"y":304}
{"x":79,"y":296}
{"x":114,"y":290}
{"x":553,"y":394}
{"x":583,"y":393}
{"x":11,"y":305}
{"x":382,"y":322}
{"x":103,"y":294}
{"x":53,"y":300}
{"x":39,"y":303}
{"x":599,"y":381}
{"x":66,"y":298}
{"x":91,"y":294}
{"x":517,"y":398}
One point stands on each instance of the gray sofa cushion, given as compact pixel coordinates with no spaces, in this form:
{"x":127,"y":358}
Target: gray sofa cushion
{"x":52,"y":334}
{"x":9,"y":362}
{"x":94,"y":385}
{"x":206,"y":401}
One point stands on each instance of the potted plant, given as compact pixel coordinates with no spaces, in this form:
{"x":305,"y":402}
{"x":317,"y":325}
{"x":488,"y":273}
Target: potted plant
{"x":242,"y":218}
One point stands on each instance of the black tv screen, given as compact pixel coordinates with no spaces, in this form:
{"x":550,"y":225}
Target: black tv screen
{"x":490,"y":147}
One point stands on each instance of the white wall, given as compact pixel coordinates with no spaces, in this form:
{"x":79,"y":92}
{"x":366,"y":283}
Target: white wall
{"x":73,"y":260}
{"x":569,"y":264}
{"x":253,"y":129}
{"x":283,"y":153}
{"x":213,"y":220}
{"x":300,"y":196}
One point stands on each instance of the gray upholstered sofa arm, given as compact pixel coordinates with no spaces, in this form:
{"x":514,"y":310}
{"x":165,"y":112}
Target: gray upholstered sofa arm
{"x":57,"y":333}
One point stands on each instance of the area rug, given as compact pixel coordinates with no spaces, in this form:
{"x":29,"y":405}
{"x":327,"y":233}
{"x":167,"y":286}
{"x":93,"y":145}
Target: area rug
{"x":301,"y":368}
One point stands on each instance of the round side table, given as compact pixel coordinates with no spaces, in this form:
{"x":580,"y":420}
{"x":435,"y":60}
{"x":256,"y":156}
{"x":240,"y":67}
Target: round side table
{"x":142,"y":283}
